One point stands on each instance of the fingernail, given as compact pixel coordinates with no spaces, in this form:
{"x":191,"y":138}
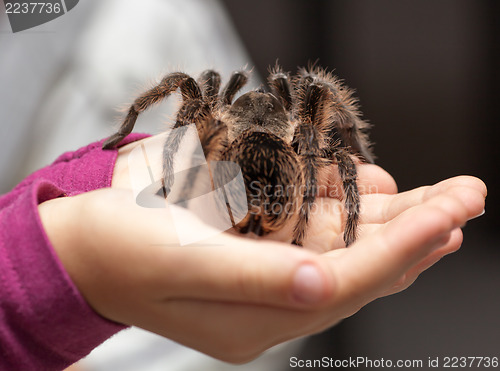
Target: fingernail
{"x":308,"y":285}
{"x":478,"y":215}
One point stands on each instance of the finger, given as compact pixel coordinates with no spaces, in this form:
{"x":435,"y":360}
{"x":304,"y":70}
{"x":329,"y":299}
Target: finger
{"x":374,"y":179}
{"x":371,"y":179}
{"x":233,"y":268}
{"x":378,"y":215}
{"x":373,"y":264}
{"x":380,"y":208}
{"x":453,"y":243}
{"x":465,"y":181}
{"x":236,"y":269}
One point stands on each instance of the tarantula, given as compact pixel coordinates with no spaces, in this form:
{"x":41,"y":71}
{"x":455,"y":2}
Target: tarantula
{"x":280,"y":138}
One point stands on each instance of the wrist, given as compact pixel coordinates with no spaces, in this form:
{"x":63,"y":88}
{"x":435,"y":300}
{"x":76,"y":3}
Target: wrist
{"x":59,"y":218}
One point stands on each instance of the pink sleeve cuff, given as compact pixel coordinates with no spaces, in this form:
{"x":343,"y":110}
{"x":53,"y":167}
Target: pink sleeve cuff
{"x":44,"y":321}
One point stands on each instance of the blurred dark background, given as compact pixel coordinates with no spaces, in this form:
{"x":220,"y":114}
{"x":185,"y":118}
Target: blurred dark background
{"x":427,"y":76}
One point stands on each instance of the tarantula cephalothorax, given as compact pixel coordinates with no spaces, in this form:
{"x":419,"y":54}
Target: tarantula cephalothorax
{"x":280,"y":139}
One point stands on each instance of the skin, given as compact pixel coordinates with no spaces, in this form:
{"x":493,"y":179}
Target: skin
{"x":233,"y":297}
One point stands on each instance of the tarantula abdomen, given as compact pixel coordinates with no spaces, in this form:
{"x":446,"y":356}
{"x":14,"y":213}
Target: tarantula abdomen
{"x":273,"y":178}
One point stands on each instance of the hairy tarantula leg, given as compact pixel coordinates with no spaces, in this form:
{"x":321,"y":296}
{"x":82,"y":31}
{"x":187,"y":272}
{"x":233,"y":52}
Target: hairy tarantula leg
{"x":209,"y":82}
{"x":254,"y":225}
{"x":170,"y":148}
{"x":170,"y":83}
{"x":212,"y":141}
{"x":236,"y":82}
{"x":304,"y":212}
{"x":348,"y":175}
{"x":192,"y":112}
{"x":308,"y":142}
{"x":279,"y":82}
{"x":315,"y":96}
{"x":347,"y":126}
{"x":311,"y":162}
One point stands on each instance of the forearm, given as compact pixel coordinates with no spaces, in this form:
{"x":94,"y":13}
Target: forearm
{"x":44,"y":319}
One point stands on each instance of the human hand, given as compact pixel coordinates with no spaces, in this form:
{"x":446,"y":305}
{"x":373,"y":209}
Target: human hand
{"x":325,"y":231}
{"x":232,"y":297}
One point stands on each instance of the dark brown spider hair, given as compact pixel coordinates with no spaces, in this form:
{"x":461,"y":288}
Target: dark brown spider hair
{"x":281,"y":139}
